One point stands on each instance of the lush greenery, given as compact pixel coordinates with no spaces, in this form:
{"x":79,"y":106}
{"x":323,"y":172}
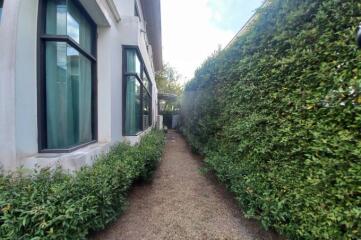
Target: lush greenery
{"x":54,"y":205}
{"x":168,"y":83}
{"x":278,"y":117}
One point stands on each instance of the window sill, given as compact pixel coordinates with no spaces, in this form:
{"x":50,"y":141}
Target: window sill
{"x":68,"y":150}
{"x":134,"y":139}
{"x":139,"y":133}
{"x":71,"y":161}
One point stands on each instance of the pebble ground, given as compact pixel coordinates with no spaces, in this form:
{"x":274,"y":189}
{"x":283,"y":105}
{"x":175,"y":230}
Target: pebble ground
{"x":181,"y":203}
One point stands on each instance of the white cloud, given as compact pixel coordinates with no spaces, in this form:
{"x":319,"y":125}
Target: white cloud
{"x":188,"y":34}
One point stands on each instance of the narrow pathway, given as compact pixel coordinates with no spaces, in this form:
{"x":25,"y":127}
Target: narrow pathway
{"x":182,"y":204}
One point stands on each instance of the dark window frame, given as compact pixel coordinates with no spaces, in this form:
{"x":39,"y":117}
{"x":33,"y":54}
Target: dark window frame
{"x":143,"y":87}
{"x":41,"y":80}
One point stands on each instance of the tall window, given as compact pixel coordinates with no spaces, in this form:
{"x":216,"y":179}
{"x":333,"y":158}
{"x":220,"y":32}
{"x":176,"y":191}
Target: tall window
{"x":137,"y":94}
{"x":147,"y":101}
{"x":1,"y":8}
{"x":67,"y":80}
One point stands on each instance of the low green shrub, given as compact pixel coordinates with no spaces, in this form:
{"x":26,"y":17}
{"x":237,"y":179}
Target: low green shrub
{"x":278,"y":117}
{"x":55,"y":205}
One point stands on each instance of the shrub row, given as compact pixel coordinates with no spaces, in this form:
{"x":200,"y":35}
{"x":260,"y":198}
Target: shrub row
{"x":278,"y":117}
{"x":55,"y":205}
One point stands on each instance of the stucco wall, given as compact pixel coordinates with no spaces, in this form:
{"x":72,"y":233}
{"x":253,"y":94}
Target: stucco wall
{"x":8,"y":37}
{"x":26,"y":80}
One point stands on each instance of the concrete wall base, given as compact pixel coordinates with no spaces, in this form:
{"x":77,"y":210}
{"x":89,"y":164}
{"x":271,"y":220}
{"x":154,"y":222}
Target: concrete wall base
{"x":67,"y":161}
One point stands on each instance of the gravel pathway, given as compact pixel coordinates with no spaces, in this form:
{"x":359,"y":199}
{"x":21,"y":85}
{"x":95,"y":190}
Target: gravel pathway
{"x":182,"y":204}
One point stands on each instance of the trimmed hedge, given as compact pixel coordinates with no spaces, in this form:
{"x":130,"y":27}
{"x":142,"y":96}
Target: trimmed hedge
{"x":278,"y":117}
{"x":54,"y":205}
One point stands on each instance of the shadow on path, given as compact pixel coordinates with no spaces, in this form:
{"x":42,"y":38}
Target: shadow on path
{"x":181,"y":203}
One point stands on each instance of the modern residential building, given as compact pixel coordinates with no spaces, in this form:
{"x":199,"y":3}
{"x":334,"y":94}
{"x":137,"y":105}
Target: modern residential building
{"x":76,"y":77}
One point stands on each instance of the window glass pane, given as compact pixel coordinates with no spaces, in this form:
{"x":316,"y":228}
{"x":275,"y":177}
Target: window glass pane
{"x":150,"y":110}
{"x":146,"y":82}
{"x":133,"y":63}
{"x":73,"y":28}
{"x":146,"y":85}
{"x":68,"y":96}
{"x":132,"y":106}
{"x":64,"y":18}
{"x":56,"y":16}
{"x":78,"y":27}
{"x":146,"y":110}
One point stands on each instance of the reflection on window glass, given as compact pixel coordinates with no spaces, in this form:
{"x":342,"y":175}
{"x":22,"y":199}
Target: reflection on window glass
{"x":56,"y":17}
{"x":79,"y":29}
{"x":132,"y":106}
{"x":146,"y":82}
{"x":68,"y":84}
{"x":1,"y":7}
{"x":73,"y":28}
{"x":133,"y":63}
{"x":68,"y":98}
{"x":138,"y":96}
{"x":64,"y":18}
{"x":146,"y":110}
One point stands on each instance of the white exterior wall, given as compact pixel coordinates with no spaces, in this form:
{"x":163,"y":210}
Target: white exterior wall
{"x":18,"y":82}
{"x":7,"y":83}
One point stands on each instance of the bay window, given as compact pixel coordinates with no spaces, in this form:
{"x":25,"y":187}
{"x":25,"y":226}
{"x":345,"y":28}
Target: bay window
{"x":137,"y":94}
{"x":67,"y":86}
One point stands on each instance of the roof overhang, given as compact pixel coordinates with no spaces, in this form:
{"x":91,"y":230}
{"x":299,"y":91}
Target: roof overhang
{"x":152,"y":15}
{"x":96,"y":12}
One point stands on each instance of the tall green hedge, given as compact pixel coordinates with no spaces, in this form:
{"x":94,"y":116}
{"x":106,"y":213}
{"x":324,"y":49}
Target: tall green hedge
{"x":278,"y":117}
{"x":54,"y":205}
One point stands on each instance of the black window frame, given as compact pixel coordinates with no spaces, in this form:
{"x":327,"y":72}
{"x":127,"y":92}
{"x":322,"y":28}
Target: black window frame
{"x":143,"y":87}
{"x":43,"y":37}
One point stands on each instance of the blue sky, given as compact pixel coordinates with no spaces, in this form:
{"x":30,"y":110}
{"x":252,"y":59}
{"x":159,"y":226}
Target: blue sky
{"x":232,"y":14}
{"x":194,"y":29}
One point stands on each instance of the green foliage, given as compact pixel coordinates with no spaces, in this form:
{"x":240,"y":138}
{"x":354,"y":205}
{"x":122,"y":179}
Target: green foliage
{"x":278,"y":117}
{"x":55,"y":205}
{"x":168,"y":81}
